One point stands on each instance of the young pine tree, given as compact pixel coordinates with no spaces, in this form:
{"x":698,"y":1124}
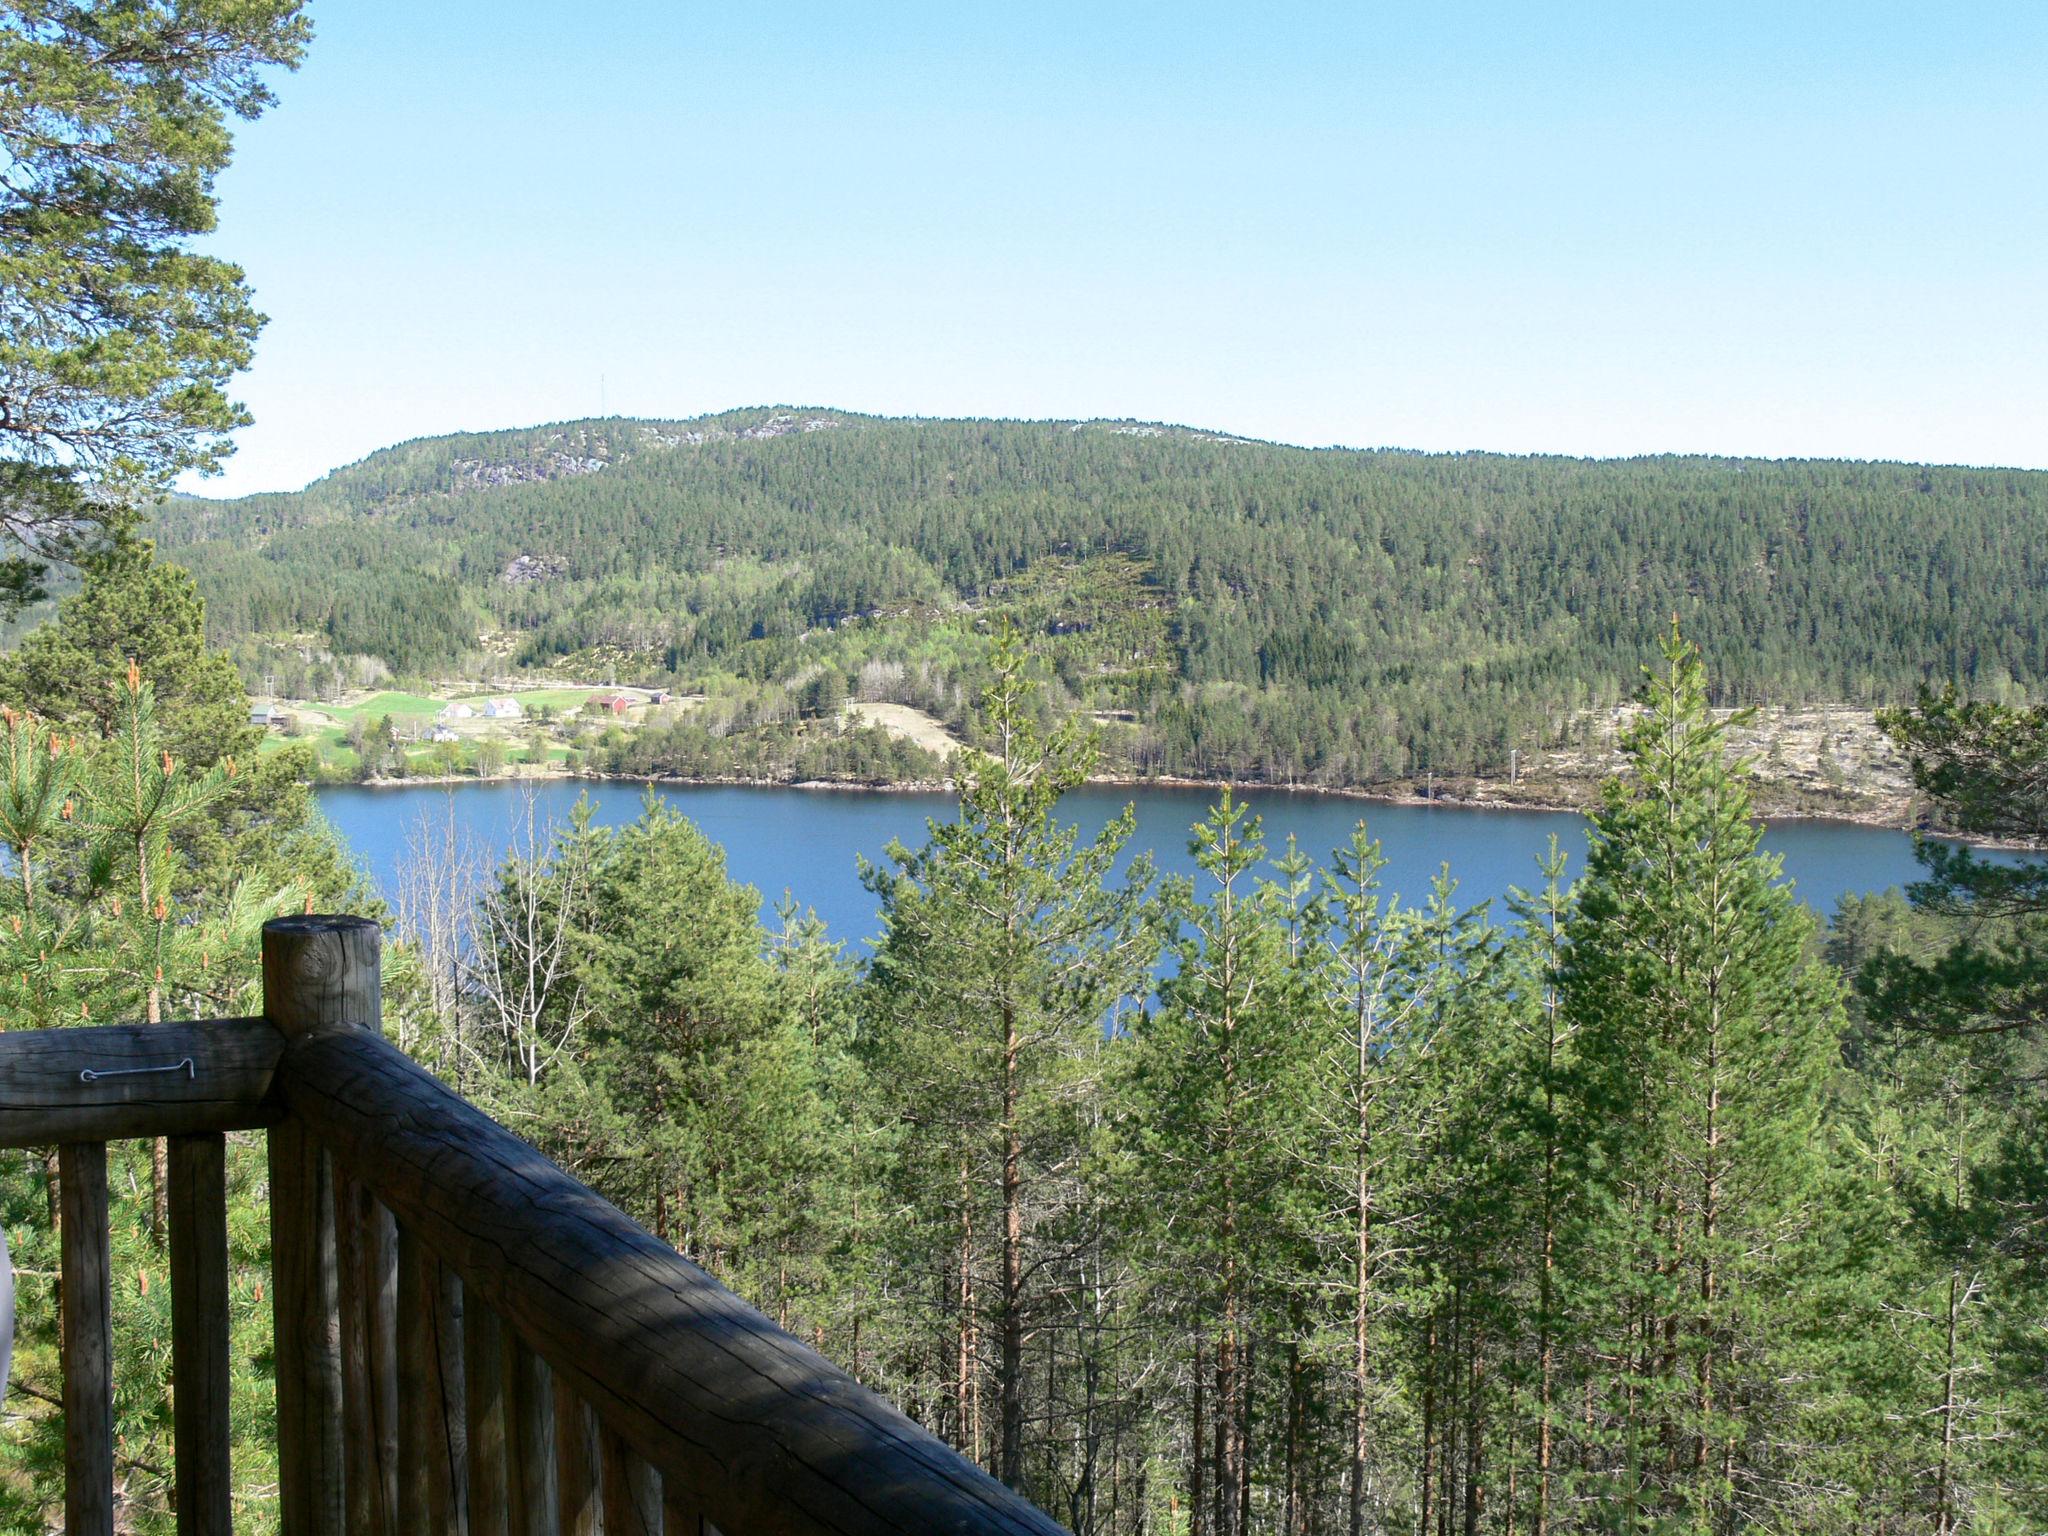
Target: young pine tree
{"x":1706,"y":1029}
{"x":1005,"y":951}
{"x":1217,"y":1116}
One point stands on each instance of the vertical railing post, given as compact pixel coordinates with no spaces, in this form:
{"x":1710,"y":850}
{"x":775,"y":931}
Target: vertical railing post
{"x":433,"y":1429}
{"x":529,"y":1437}
{"x":86,"y":1288}
{"x":198,"y":1206}
{"x":632,"y":1489}
{"x":483,"y":1399}
{"x":320,"y":975}
{"x":576,"y":1463}
{"x":366,"y":1257}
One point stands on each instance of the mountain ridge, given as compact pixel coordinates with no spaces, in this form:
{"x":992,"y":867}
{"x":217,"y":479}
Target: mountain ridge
{"x":1228,"y":607}
{"x":709,"y":427}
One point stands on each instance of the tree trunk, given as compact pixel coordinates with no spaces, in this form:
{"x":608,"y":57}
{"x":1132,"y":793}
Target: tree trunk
{"x":1011,"y":1383}
{"x":1426,"y":1482}
{"x":1944,"y":1512}
{"x":1546,"y":1346}
{"x":1361,"y":1310}
{"x":966,"y":1429}
{"x":1226,"y":1491}
{"x":1475,"y":1449}
{"x":1242,"y":1437}
{"x":1296,"y":1406}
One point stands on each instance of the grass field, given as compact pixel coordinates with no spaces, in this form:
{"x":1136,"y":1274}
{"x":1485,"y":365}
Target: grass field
{"x":417,"y":705}
{"x":378,"y":705}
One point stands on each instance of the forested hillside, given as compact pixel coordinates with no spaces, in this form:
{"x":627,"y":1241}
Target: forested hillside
{"x":1227,"y":608}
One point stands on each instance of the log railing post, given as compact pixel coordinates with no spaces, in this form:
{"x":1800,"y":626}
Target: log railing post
{"x":632,"y":1489}
{"x":483,"y":1400}
{"x":321,"y":975}
{"x":86,"y":1289}
{"x":433,"y":1430}
{"x":198,"y":1204}
{"x":576,"y":1463}
{"x":366,"y":1257}
{"x":529,"y":1437}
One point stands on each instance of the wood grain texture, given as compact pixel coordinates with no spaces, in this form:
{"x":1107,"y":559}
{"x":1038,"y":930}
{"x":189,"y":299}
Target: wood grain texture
{"x":762,"y":1432}
{"x":366,"y":1265}
{"x":578,"y":1491}
{"x":433,"y":1429}
{"x":42,"y":1099}
{"x":631,"y":1488}
{"x":319,"y":974}
{"x":198,"y":1200}
{"x":86,"y":1290}
{"x":483,"y":1402}
{"x":306,"y":1320}
{"x":323,"y":973}
{"x":530,"y":1435}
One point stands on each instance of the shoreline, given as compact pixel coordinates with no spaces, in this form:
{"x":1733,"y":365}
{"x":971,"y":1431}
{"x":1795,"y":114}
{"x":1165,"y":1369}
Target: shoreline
{"x":1364,"y":794}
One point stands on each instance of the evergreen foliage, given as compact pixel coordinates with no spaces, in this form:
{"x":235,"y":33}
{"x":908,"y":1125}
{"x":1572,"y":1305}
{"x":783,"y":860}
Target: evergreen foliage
{"x":117,"y":340}
{"x":139,"y":879}
{"x":1229,"y":609}
{"x":1253,"y":1202}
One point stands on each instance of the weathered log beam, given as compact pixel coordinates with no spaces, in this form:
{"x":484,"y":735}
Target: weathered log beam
{"x":735,"y":1414}
{"x":131,"y":1080}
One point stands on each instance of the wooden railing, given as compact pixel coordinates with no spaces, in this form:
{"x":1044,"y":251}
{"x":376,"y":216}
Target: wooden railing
{"x":467,"y":1339}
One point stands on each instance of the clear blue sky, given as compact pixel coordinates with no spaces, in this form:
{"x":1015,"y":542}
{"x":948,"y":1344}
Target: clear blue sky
{"x":1782,"y":229}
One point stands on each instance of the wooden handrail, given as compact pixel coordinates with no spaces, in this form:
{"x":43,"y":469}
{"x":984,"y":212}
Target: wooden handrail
{"x":467,"y":1339}
{"x":110,"y":1083}
{"x":749,"y":1425}
{"x":767,"y":1433}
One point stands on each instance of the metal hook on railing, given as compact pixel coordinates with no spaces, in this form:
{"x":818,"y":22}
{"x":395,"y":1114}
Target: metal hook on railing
{"x":187,"y":1066}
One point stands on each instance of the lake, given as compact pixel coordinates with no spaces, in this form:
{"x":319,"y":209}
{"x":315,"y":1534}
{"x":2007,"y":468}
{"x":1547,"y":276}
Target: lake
{"x":805,"y":841}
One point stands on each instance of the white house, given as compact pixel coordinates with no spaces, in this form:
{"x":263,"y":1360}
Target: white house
{"x":502,"y":709}
{"x":442,"y":733}
{"x":458,"y":712}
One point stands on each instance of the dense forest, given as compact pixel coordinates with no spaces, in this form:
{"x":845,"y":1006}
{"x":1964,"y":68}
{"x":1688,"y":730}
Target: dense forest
{"x":1225,"y":608}
{"x":1259,"y":1201}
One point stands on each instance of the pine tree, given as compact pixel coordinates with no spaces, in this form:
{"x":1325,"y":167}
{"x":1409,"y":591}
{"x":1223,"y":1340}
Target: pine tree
{"x":1543,"y":917}
{"x":1706,"y":1030}
{"x":1379,"y":993}
{"x":1216,"y":1112}
{"x":681,"y":1022}
{"x":1004,"y":954}
{"x":135,"y":613}
{"x":119,"y":339}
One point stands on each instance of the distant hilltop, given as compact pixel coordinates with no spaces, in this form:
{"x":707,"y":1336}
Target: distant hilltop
{"x":1217,"y":606}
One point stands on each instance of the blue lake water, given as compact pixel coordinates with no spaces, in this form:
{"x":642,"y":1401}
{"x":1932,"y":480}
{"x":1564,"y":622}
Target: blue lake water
{"x":806,"y":842}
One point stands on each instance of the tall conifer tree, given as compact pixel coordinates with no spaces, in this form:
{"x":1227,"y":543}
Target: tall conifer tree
{"x":1706,"y":1030}
{"x":1006,"y":947}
